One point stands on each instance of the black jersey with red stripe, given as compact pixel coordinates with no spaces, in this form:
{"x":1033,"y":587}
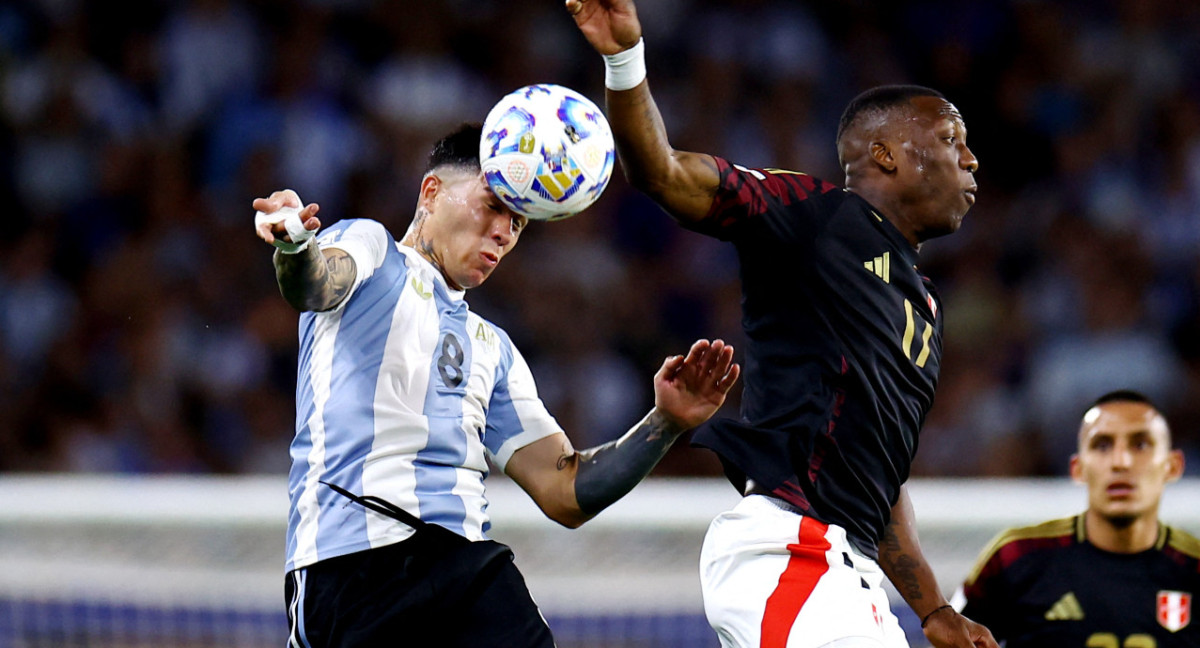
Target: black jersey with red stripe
{"x":844,"y":341}
{"x":1046,"y":586}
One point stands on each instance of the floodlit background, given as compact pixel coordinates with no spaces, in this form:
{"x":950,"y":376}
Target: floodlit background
{"x":141,"y":332}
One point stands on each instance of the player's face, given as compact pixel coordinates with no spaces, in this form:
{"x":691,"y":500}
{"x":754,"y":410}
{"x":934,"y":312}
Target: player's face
{"x":1125,"y":459}
{"x":937,"y":172}
{"x":470,"y":230}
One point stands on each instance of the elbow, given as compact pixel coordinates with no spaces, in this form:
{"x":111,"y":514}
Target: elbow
{"x":572,"y":523}
{"x":567,"y":512}
{"x":646,"y":181}
{"x":569,"y":518}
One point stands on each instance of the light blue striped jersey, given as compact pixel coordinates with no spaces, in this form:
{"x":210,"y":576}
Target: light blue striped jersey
{"x":401,"y":392}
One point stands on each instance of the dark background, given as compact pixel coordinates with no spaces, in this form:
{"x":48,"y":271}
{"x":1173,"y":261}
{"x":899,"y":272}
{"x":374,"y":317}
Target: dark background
{"x":141,"y":329}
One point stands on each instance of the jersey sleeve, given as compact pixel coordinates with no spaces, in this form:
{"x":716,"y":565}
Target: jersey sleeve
{"x":516,"y":416}
{"x":985,"y":595}
{"x":787,"y":204}
{"x":366,"y":241}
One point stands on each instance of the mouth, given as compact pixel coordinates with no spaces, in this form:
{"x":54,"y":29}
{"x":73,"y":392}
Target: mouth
{"x":1119,"y":490}
{"x":969,"y":192}
{"x":489,"y":258}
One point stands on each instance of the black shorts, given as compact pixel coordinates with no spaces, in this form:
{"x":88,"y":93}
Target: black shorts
{"x":434,"y":589}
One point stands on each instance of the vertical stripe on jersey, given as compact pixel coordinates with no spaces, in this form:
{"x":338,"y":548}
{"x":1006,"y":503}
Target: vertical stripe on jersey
{"x":297,"y":634}
{"x":342,"y":398}
{"x":804,"y":569}
{"x":308,"y":448}
{"x":449,"y":373}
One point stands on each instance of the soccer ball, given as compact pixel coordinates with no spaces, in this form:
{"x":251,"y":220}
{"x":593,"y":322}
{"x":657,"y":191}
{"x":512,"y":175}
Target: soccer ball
{"x":546,"y":151}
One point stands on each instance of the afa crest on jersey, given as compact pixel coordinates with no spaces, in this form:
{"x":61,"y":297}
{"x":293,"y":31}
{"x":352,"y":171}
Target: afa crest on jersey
{"x":1174,"y":609}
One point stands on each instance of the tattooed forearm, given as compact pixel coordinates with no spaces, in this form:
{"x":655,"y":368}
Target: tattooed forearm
{"x":900,"y":567}
{"x":608,"y":472}
{"x":315,"y":280}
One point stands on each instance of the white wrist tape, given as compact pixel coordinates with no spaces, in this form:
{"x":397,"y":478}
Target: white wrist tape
{"x":290,"y":217}
{"x":625,"y":70}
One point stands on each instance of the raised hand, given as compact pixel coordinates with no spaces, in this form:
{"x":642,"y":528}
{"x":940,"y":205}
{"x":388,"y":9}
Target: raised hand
{"x":689,"y":390}
{"x":611,"y":26}
{"x":276,"y":201}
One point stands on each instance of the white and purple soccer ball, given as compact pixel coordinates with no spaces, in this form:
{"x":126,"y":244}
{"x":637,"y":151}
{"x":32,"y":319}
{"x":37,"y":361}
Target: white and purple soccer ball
{"x":546,"y":151}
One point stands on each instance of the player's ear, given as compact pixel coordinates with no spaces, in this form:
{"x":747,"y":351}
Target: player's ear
{"x":1176,"y":465}
{"x":431,"y":184}
{"x":1076,"y":469}
{"x":881,"y":154}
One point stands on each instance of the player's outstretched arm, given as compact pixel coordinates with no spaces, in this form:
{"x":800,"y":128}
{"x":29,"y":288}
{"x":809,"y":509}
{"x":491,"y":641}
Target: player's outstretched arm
{"x":682,"y":183}
{"x":572,"y":487}
{"x":901,"y":558}
{"x":309,"y":279}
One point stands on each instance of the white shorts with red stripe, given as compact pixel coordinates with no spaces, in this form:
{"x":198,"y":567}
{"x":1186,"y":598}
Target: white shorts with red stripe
{"x":775,"y":579}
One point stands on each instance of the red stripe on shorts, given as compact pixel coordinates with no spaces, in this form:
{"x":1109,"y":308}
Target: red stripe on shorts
{"x":796,"y":583}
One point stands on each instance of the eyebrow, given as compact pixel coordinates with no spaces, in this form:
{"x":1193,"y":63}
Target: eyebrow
{"x":1110,"y":436}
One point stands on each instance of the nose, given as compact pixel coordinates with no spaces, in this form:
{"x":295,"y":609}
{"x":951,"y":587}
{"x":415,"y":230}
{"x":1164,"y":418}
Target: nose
{"x":502,"y":229}
{"x":1122,"y":457}
{"x":968,"y":160}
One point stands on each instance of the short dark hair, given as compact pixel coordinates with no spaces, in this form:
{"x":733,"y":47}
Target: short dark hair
{"x":460,"y":148}
{"x":1123,"y":396}
{"x":880,"y":98}
{"x":1127,"y":396}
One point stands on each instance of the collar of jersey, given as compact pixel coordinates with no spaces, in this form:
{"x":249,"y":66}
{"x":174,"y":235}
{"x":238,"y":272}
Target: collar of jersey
{"x":906,"y":249}
{"x":439,"y":280}
{"x":1081,"y":533}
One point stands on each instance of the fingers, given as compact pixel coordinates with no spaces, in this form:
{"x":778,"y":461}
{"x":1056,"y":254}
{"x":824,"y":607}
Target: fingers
{"x":671,"y":366}
{"x":727,"y":381}
{"x":264,"y":233}
{"x":697,"y":352}
{"x":308,"y":215}
{"x":716,"y":358}
{"x":272,"y":203}
{"x":277,"y":200}
{"x":706,"y":360}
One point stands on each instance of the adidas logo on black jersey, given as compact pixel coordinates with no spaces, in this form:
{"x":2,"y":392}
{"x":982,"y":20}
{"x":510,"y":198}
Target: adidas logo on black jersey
{"x":881,"y":266}
{"x":1066,"y":609}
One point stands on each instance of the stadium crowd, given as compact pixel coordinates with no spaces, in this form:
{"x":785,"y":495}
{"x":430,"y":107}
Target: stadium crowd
{"x":141,"y":329}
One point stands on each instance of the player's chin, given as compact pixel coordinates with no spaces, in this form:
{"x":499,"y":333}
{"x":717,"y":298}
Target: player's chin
{"x":475,"y":277}
{"x":955,"y":220}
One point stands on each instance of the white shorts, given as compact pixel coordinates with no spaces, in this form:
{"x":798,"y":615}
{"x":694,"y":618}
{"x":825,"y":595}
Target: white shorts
{"x":774,"y":579}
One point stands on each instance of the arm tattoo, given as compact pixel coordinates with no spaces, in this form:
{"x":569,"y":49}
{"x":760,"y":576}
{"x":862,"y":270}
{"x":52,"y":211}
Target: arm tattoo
{"x":607,"y":472}
{"x":315,"y":280}
{"x":900,"y":567}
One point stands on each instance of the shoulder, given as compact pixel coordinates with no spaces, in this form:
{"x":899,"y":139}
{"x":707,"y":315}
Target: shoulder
{"x":1016,"y":543}
{"x":355,"y":224}
{"x":1183,"y":542}
{"x":786,"y":184}
{"x":749,"y":195}
{"x":362,"y":231}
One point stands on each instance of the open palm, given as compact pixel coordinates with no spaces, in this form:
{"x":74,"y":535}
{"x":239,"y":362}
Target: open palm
{"x":610,"y":26}
{"x":689,"y":390}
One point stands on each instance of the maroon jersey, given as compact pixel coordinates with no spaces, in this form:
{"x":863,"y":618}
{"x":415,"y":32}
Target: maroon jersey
{"x":844,"y":341}
{"x":1046,"y":586}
